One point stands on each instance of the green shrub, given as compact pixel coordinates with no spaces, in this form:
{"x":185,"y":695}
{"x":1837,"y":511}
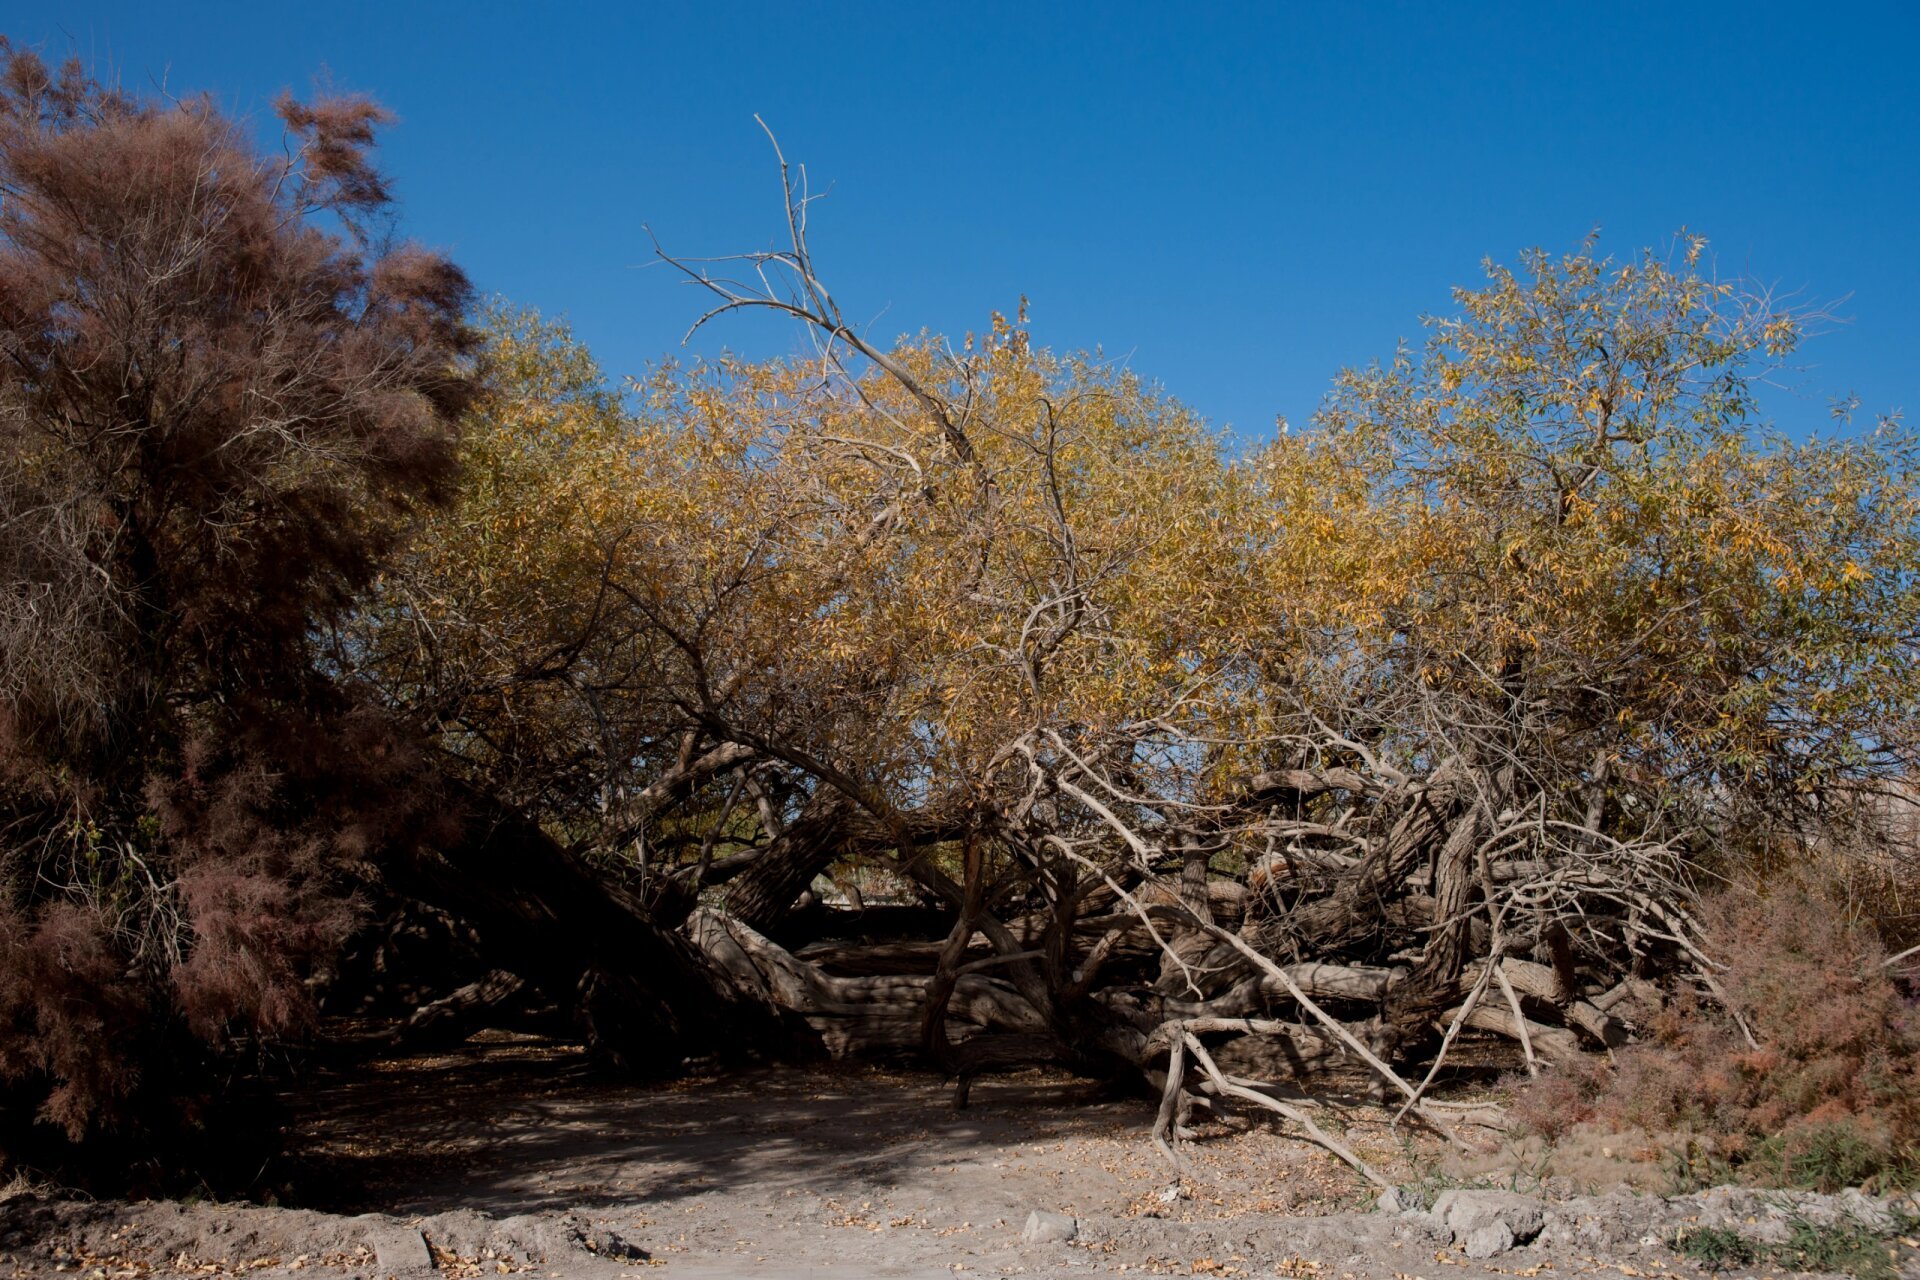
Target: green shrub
{"x":1717,"y":1248}
{"x":1847,"y":1246}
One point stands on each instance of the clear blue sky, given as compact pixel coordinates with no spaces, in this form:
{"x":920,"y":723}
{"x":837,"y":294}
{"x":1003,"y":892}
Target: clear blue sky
{"x":1237,"y":199}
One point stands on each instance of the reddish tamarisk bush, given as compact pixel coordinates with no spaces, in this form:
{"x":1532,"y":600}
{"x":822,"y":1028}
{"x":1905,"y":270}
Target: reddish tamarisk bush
{"x":226,"y":390}
{"x":1825,"y":1094}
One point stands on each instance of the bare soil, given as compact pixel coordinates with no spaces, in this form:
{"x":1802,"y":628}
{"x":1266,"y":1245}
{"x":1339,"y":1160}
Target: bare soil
{"x":513,"y":1156}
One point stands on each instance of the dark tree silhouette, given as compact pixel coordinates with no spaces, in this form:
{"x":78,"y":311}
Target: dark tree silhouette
{"x":224,"y":389}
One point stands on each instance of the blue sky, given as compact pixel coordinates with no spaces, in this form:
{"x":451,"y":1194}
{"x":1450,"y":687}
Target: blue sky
{"x":1238,"y":200}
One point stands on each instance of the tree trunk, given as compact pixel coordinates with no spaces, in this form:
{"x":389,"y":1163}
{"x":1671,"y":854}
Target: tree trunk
{"x":851,"y":1016}
{"x":762,"y":896}
{"x":496,"y":1000}
{"x":1357,"y":908}
{"x":1446,"y":949}
{"x":643,"y":997}
{"x":1190,"y":944}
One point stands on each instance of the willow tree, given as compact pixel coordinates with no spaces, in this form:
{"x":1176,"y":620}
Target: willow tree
{"x":1578,"y":621}
{"x":1496,"y":660}
{"x":1529,"y":631}
{"x":760,"y":620}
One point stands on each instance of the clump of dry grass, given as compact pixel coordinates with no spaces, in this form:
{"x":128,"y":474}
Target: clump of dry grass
{"x":21,"y":1183}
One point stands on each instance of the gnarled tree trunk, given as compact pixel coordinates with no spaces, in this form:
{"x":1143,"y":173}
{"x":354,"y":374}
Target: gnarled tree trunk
{"x":762,"y":896}
{"x":644,"y":997}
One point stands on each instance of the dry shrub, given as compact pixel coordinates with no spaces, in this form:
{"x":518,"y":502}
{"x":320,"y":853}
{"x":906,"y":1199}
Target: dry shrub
{"x":228,"y":393}
{"x":255,"y":938}
{"x":1557,"y":1103}
{"x":1830,"y":1098}
{"x":257,"y":896}
{"x":63,"y":1001}
{"x":1875,"y":874}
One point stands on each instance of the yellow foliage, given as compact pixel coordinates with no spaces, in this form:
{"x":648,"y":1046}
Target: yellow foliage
{"x":1557,"y":510}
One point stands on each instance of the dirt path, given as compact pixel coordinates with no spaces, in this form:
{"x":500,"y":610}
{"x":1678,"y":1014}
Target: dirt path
{"x":511,"y":1128}
{"x":514,"y":1156}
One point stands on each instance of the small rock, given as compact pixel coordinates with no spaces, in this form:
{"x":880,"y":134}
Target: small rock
{"x":1044,"y":1227}
{"x":1486,"y":1241}
{"x":399,"y":1250}
{"x":609,"y":1243}
{"x":1464,"y":1212}
{"x":1397,"y":1200}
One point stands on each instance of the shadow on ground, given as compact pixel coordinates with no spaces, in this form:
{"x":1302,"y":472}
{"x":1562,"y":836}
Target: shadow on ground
{"x":510,"y":1125}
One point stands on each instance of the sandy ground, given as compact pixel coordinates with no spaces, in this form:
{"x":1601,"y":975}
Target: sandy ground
{"x":515,"y":1127}
{"x":514,"y":1156}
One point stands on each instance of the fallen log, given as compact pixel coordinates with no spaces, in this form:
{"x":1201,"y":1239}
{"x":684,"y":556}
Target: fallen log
{"x":1554,"y":1044}
{"x":1540,"y":982}
{"x":1321,"y":981}
{"x":866,"y":959}
{"x":852,"y":1015}
{"x":642,"y":997}
{"x":461,"y":1012}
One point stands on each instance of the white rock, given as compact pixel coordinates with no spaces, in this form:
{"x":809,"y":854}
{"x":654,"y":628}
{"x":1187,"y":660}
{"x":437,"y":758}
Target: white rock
{"x":1044,"y":1227}
{"x":400,"y":1251}
{"x":1488,"y":1240}
{"x":1464,"y":1212}
{"x":1397,"y":1200}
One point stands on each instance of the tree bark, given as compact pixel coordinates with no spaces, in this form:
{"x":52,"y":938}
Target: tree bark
{"x":885,"y":1014}
{"x":643,"y":997}
{"x":1446,"y":948}
{"x":763,"y":895}
{"x":488,"y":1002}
{"x":1190,"y":944}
